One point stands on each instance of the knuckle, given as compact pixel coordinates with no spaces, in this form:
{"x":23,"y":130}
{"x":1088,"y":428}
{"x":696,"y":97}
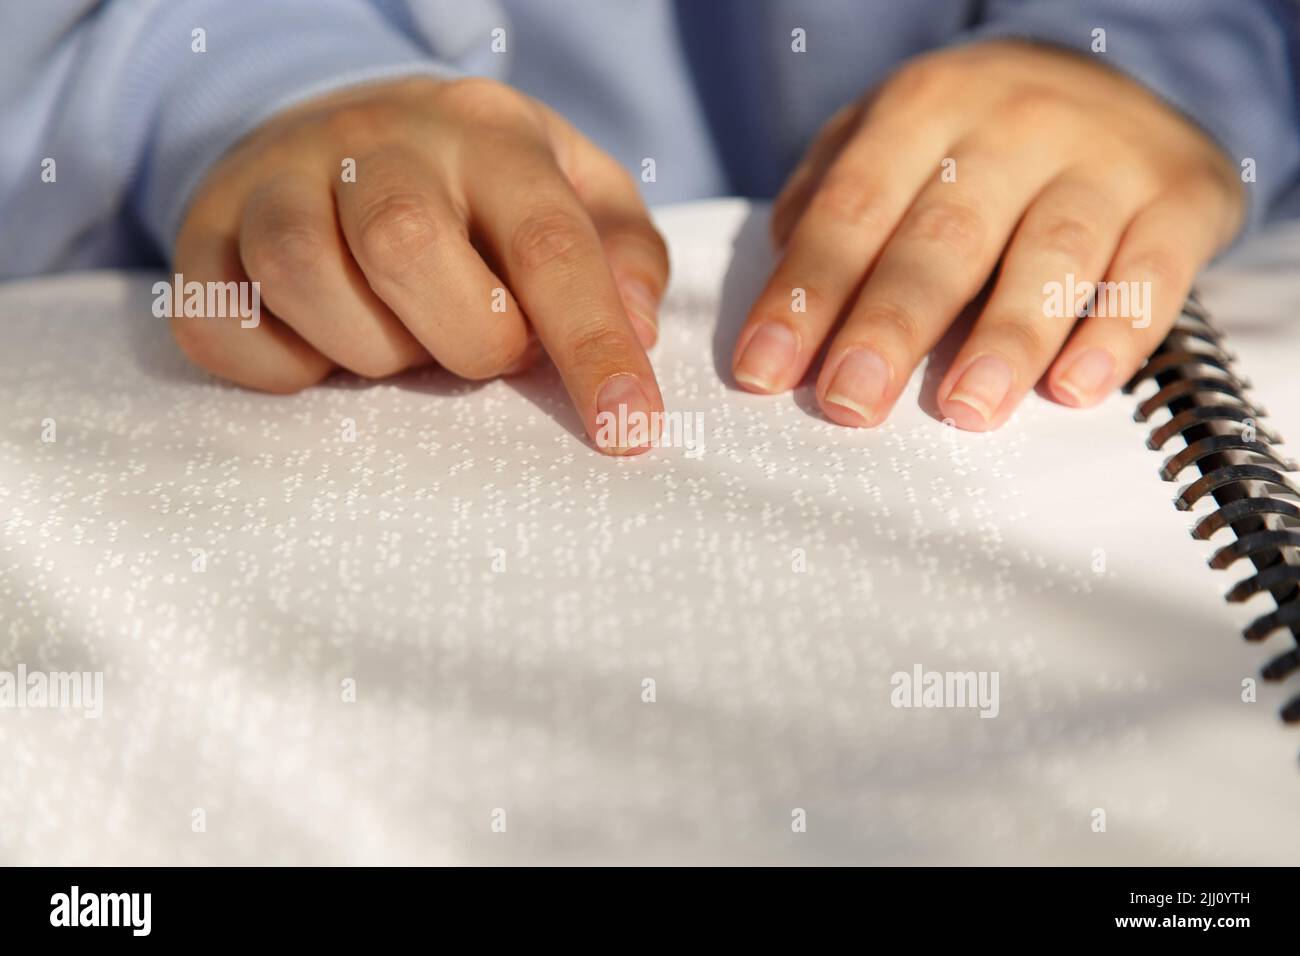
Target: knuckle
{"x":1067,"y":236}
{"x":1221,"y":175}
{"x":897,"y":322}
{"x":595,"y":345}
{"x":847,"y":200}
{"x":1030,"y":107}
{"x":1163,"y":267}
{"x":396,"y":231}
{"x":495,"y":356}
{"x":375,"y":366}
{"x":1019,"y":338}
{"x":479,"y":99}
{"x":357,"y":123}
{"x":196,"y":342}
{"x":472,"y":90}
{"x":920,"y":80}
{"x":811,"y":292}
{"x":284,"y":253}
{"x":547,"y":235}
{"x":957,"y":225}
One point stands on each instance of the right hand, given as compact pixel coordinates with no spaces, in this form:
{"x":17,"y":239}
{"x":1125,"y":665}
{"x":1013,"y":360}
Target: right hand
{"x":467,"y":196}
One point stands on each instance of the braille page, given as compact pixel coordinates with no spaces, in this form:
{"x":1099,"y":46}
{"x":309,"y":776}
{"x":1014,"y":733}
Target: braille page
{"x":423,"y":621}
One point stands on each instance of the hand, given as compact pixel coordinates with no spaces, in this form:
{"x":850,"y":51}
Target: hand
{"x":1035,"y":162}
{"x":476,"y":217}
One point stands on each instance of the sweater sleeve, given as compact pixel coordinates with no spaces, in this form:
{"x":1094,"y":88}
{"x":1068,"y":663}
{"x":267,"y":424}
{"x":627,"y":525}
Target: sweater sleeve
{"x":112,"y":112}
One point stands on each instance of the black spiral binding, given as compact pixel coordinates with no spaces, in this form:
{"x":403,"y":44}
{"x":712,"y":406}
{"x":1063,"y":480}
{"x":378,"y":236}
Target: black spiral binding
{"x":1240,"y":467}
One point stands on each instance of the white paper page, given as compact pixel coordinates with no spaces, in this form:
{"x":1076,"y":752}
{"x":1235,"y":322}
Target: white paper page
{"x":499,"y":592}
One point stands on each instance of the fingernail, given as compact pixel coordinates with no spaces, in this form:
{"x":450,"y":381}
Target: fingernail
{"x":859,"y":383}
{"x":642,"y":307}
{"x":624,"y":419}
{"x":1087,"y":376}
{"x":767,"y":357}
{"x":981,"y":389}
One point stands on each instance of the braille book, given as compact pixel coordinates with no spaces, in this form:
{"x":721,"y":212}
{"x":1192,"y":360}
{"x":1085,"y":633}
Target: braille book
{"x":423,"y":620}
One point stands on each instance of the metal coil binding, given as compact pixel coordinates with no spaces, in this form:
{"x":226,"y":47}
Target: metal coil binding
{"x":1240,"y":467}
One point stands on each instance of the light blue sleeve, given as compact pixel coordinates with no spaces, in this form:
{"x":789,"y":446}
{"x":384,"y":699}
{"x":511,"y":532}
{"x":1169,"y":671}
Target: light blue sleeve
{"x":111,"y":112}
{"x":1229,"y":65}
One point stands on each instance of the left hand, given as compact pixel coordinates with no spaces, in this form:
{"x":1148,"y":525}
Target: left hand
{"x":1065,"y":171}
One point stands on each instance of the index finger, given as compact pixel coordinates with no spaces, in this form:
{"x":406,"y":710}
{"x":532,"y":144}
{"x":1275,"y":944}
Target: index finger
{"x":548,"y":250}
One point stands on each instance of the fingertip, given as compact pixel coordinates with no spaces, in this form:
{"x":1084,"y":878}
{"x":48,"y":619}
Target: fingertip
{"x":532,"y":353}
{"x":1084,"y":379}
{"x":855,"y":386}
{"x":751,"y":383}
{"x":965,"y":416}
{"x":977,"y":398}
{"x":764,"y":357}
{"x":615,"y":451}
{"x":1062,"y":394}
{"x":843,"y":410}
{"x":628,"y":416}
